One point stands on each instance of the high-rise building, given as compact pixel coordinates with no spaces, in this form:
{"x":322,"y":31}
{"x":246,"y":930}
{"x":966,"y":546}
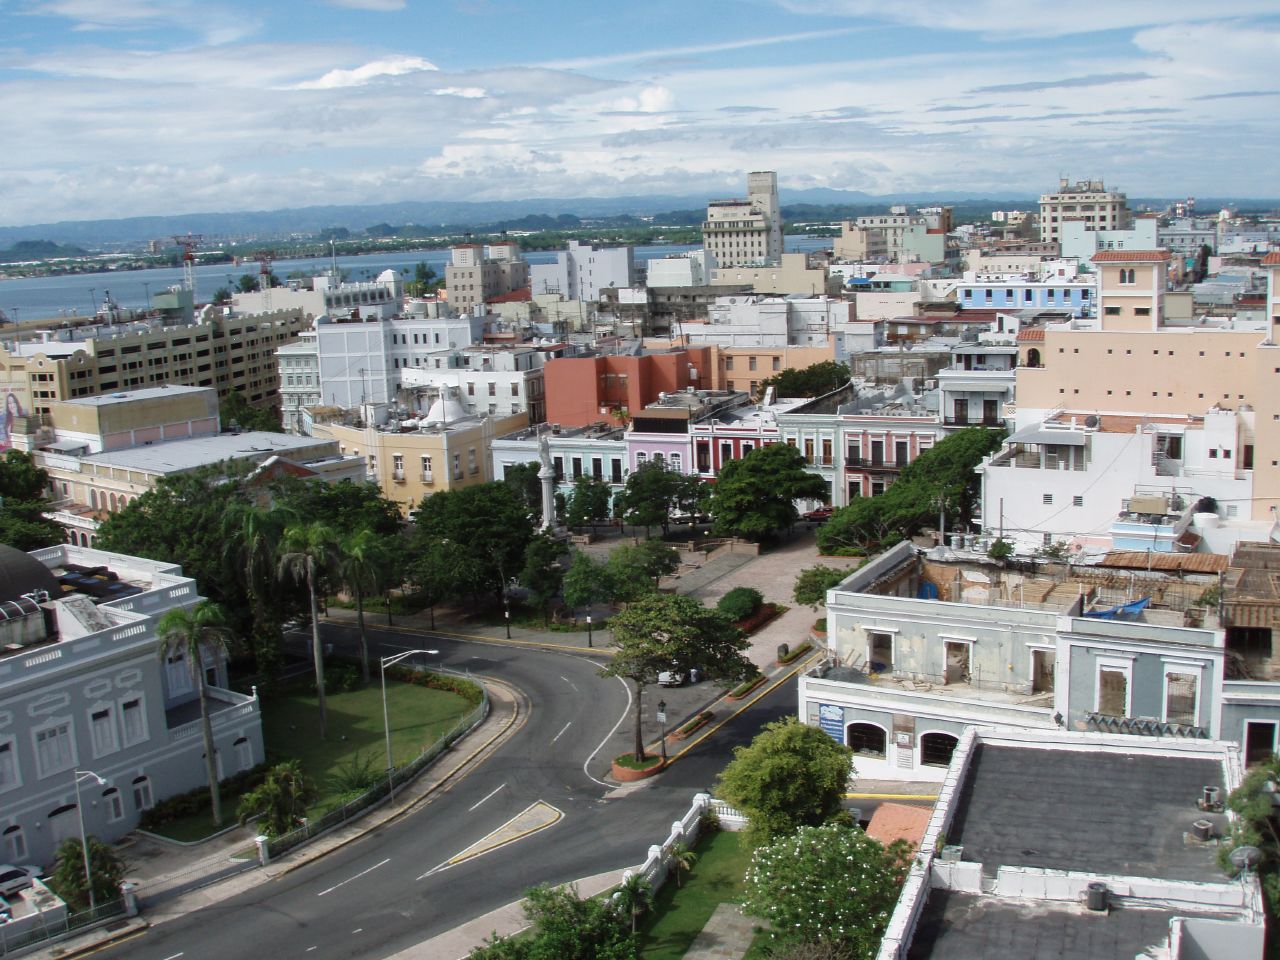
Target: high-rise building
{"x":1086,"y":200}
{"x":582,"y":270}
{"x":476,"y":273}
{"x":744,"y":232}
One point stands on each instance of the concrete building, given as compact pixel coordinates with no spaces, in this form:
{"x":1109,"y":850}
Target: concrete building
{"x":81,"y":688}
{"x":582,"y":270}
{"x":1022,"y":291}
{"x":323,"y":295}
{"x":693,"y":269}
{"x":1080,"y":243}
{"x":444,"y":450}
{"x":760,"y":321}
{"x":748,"y":232}
{"x":789,"y":274}
{"x":1087,"y":201}
{"x":1118,"y":869}
{"x":664,"y":430}
{"x":476,"y":274}
{"x":898,"y":237}
{"x":494,"y":381}
{"x":228,"y":353}
{"x":595,"y":389}
{"x":598,"y":450}
{"x":977,"y":387}
{"x":858,"y":243}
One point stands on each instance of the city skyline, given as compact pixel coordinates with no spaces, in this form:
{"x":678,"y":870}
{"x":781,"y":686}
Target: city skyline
{"x":140,"y":107}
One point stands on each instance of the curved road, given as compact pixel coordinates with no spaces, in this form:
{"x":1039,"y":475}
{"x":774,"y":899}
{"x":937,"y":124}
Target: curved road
{"x":379,"y":895}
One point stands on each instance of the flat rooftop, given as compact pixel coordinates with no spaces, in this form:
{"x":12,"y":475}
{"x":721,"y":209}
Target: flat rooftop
{"x":1091,"y":811}
{"x":146,"y":393}
{"x":177,"y":455}
{"x":967,"y":926}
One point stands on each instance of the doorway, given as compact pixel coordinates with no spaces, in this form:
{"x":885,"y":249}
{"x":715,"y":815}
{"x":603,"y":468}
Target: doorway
{"x":1259,"y":741}
{"x":1042,"y":663}
{"x":881,"y":659}
{"x":957,"y":662}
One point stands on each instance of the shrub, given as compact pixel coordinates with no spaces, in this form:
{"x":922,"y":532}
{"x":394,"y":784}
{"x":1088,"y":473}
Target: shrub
{"x":197,"y":801}
{"x":469,"y":690}
{"x":795,"y":653}
{"x":740,"y":603}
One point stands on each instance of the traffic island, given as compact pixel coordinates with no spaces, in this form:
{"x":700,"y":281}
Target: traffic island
{"x":693,"y":725}
{"x":626,"y":769}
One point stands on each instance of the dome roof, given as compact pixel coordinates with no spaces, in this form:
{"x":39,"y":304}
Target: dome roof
{"x":20,"y":573}
{"x":445,"y":410}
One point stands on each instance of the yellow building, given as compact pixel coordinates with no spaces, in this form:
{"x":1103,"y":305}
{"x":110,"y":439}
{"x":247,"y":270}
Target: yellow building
{"x":1135,"y":359}
{"x":445,"y":450}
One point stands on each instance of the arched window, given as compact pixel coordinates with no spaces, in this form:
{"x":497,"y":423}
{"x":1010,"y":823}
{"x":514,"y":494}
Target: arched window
{"x":93,"y":498}
{"x":866,"y":739}
{"x":1033,"y":357}
{"x":113,"y":503}
{"x":936,"y":749}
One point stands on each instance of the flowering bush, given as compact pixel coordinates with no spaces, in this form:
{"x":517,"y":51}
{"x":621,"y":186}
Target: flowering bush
{"x":831,"y":884}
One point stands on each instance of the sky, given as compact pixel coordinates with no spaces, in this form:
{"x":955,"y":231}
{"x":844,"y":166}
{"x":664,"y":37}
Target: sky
{"x":119,"y":108}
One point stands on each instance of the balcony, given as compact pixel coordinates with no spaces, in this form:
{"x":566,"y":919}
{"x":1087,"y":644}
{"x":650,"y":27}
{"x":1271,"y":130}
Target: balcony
{"x":862,"y":463}
{"x":397,"y":476}
{"x":428,"y":476}
{"x":989,"y":420}
{"x":225,"y":707}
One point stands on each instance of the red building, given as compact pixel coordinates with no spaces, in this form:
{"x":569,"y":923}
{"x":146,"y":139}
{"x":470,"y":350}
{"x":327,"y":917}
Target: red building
{"x":584,"y":390}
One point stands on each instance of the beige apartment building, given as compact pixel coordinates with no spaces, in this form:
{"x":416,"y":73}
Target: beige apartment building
{"x":448,"y":450}
{"x":789,"y":274}
{"x":226,"y":353}
{"x":744,"y":232}
{"x":1136,"y":360}
{"x":1088,"y":201}
{"x":477,"y":274}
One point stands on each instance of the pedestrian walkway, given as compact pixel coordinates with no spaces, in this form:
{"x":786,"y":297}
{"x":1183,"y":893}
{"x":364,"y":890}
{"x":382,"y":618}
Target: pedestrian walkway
{"x":727,"y":935}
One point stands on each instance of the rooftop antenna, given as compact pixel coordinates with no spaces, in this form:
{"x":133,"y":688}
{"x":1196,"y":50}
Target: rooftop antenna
{"x":188,"y":245}
{"x":264,"y":258}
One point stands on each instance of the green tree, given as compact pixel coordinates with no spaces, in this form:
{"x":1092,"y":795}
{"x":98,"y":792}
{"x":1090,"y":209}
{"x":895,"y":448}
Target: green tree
{"x":523,"y":480}
{"x":542,"y":575}
{"x":251,"y":536}
{"x":199,"y":635}
{"x":23,"y":502}
{"x":829,"y":883}
{"x":813,"y":583}
{"x":425,"y":280}
{"x":247,"y":283}
{"x":682,"y":859}
{"x":638,"y":569}
{"x":280,"y":801}
{"x":221,"y":296}
{"x":564,"y":926}
{"x":662,"y":629}
{"x":812,"y":381}
{"x":435,"y":570}
{"x":489,"y":526}
{"x":346,"y":506}
{"x":587,"y":582}
{"x":634,"y":898}
{"x":364,"y":559}
{"x":235,"y":408}
{"x":68,"y":880}
{"x":944,"y":475}
{"x":755,"y":496}
{"x":307,"y":554}
{"x":588,"y":502}
{"x":1256,"y":825}
{"x":692,"y":496}
{"x":649,"y":495}
{"x":790,"y":775}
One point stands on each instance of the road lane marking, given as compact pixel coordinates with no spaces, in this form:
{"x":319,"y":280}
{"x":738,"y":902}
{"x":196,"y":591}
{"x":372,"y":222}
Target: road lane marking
{"x":349,"y":879}
{"x":569,"y":682}
{"x":489,"y":796}
{"x":562,"y":730}
{"x":358,"y":930}
{"x":623,"y":716}
{"x":309,"y":949}
{"x":537,"y":816}
{"x":176,"y":955}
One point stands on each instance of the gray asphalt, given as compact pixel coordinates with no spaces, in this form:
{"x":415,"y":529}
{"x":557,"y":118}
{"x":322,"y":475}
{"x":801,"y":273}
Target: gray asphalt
{"x":378,"y":896}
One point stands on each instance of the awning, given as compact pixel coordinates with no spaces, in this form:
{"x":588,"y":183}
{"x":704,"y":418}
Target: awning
{"x":1042,"y":434}
{"x":66,"y":446}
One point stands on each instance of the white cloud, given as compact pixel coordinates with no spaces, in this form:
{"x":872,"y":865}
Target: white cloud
{"x":386,"y":67}
{"x":583,"y":63}
{"x":648,"y":100}
{"x":466,"y":93}
{"x":215,"y":24}
{"x":378,"y":6}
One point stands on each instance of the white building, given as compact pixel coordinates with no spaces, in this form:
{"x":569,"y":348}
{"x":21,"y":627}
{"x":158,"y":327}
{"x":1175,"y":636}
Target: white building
{"x":582,"y":270}
{"x":1086,"y":201}
{"x":490,"y":381}
{"x":1079,"y":242}
{"x":759,"y":321}
{"x":687,"y":270}
{"x":378,"y":298}
{"x":745,"y":232}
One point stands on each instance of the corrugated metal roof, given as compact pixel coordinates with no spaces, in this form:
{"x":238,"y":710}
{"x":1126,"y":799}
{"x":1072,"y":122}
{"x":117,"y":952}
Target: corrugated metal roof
{"x":1174,"y":562}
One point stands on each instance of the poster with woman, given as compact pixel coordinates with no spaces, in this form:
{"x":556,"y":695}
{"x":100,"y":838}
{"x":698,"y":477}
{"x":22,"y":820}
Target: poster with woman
{"x":9,"y":422}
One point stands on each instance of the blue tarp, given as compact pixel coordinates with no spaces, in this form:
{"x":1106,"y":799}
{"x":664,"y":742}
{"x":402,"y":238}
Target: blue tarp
{"x":1126,"y":611}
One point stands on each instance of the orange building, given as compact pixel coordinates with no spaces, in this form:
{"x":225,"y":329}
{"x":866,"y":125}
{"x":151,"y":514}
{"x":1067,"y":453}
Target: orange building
{"x":583,"y":390}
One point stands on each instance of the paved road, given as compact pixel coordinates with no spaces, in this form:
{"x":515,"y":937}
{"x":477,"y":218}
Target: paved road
{"x":378,"y":896}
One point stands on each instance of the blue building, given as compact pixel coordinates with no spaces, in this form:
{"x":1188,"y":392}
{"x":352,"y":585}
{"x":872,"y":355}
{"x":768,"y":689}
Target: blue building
{"x":1078,"y":296}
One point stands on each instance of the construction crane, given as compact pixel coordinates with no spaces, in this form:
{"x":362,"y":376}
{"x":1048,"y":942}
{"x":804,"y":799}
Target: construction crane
{"x":188,"y":245}
{"x":264,"y":258}
{"x":4,"y":317}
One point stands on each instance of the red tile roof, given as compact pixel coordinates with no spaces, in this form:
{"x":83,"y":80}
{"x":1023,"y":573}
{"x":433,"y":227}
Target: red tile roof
{"x":1130,"y":256}
{"x":1272,"y":259}
{"x":1030,"y":333}
{"x":522,"y":295}
{"x":899,"y":821}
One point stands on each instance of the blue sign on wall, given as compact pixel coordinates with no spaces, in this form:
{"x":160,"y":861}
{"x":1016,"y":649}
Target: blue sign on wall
{"x":831,"y":720}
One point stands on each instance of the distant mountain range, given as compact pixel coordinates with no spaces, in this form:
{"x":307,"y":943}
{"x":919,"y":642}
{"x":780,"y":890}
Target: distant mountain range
{"x":473,"y":215}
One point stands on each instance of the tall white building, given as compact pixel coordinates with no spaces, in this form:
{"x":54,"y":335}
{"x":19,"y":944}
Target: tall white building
{"x":1088,"y":201}
{"x":476,"y":274}
{"x":582,"y":270}
{"x":744,"y":232}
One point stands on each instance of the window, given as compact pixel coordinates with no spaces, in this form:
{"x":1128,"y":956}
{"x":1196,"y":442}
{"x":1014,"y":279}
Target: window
{"x":577,"y":467}
{"x":641,"y":458}
{"x":457,"y":466}
{"x":244,"y":754}
{"x":54,"y":750}
{"x":426,"y":470}
{"x":515,"y":389}
{"x":777,"y":363}
{"x":134,"y":721}
{"x":597,"y":468}
{"x":1113,"y":690}
{"x":936,"y":749}
{"x":751,"y":363}
{"x":1180,"y":701}
{"x":102,"y":731}
{"x":728,"y":363}
{"x":142,"y":798}
{"x":853,"y":452}
{"x":866,"y":739}
{"x":177,"y":674}
{"x":1111,"y":311}
{"x":1077,"y":501}
{"x":15,"y":844}
{"x":493,"y":389}
{"x":615,"y":475}
{"x":8,"y":766}
{"x":115,"y":804}
{"x":677,"y":463}
{"x":1142,"y":311}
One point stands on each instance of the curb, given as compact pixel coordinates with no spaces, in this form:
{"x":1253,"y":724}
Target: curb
{"x":481,"y":638}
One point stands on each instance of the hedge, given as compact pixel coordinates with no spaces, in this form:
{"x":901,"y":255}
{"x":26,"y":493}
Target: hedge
{"x":196,"y":801}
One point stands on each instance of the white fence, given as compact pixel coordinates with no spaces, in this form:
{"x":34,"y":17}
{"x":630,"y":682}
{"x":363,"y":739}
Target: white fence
{"x":686,"y":830}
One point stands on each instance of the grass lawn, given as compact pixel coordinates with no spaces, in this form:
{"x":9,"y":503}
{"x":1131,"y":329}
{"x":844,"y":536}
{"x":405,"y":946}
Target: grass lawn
{"x":290,"y":724}
{"x":680,"y":913}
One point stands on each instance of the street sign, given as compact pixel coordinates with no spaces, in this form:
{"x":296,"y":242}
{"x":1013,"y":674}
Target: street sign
{"x":662,"y":718}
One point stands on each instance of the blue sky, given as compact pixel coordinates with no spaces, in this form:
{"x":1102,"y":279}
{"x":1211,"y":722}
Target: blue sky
{"x":129,"y":107}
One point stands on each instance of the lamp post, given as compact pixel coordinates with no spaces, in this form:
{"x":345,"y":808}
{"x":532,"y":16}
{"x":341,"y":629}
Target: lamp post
{"x":84,"y":841}
{"x":589,"y":643}
{"x":662,"y":726}
{"x":383,"y":663}
{"x":146,"y":292}
{"x":93,"y":302}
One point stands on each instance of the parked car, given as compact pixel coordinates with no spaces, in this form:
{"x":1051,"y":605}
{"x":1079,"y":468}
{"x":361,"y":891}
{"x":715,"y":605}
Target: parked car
{"x":820,"y":515}
{"x":671,"y":678}
{"x":16,"y":879}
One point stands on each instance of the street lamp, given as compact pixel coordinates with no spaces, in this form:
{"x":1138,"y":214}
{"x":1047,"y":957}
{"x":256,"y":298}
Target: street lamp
{"x":84,"y":841}
{"x":506,"y":611}
{"x":589,"y":644}
{"x":662,"y":725}
{"x":383,"y":663}
{"x":93,"y":302}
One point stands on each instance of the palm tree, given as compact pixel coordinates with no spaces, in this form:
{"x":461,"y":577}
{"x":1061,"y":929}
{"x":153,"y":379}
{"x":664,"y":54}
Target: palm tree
{"x":195,"y":633}
{"x":252,"y":536}
{"x":634,"y":896}
{"x":363,"y":563}
{"x":682,"y":860}
{"x":307,"y":553}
